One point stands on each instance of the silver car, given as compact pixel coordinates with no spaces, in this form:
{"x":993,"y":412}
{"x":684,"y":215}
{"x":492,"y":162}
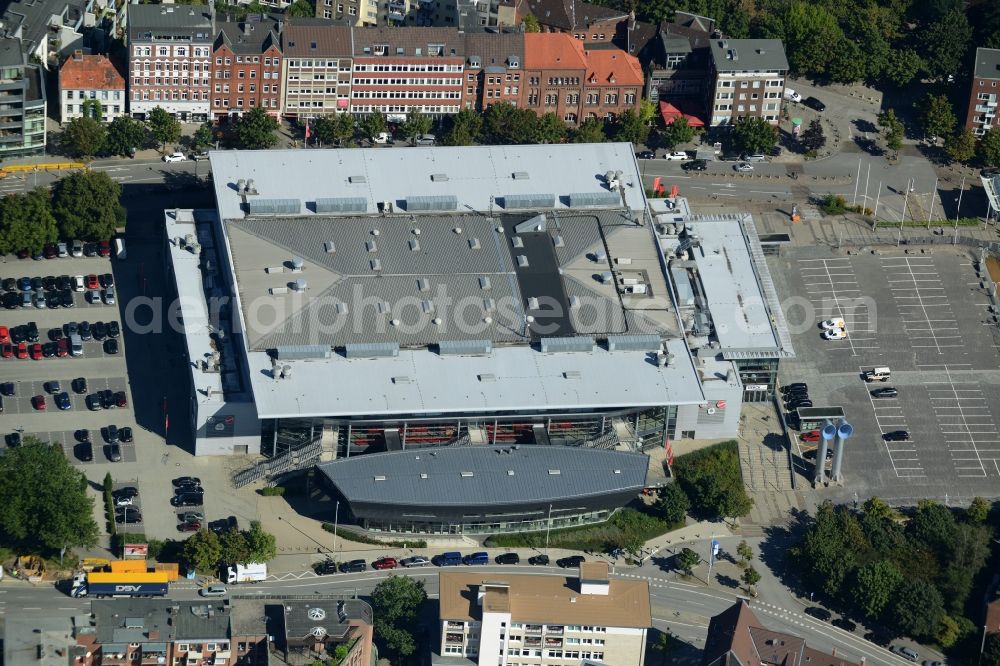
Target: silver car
{"x":743,"y":166}
{"x":415,"y":561}
{"x":213,"y":591}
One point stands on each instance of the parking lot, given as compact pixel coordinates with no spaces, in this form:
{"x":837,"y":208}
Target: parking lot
{"x":924,"y":315}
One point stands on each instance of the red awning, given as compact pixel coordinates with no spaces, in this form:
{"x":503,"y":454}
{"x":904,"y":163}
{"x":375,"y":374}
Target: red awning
{"x":669,"y":112}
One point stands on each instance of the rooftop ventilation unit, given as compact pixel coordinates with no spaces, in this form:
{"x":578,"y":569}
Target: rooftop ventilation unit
{"x":371,"y":350}
{"x":474,"y":244}
{"x":329,"y":247}
{"x":522,"y":261}
{"x":558,"y":241}
{"x":299,"y":285}
{"x":357,"y":179}
{"x":516,"y":201}
{"x":439,"y":177}
{"x":517,"y":242}
{"x":572,"y":374}
{"x":414,"y":245}
{"x":376,"y":264}
{"x":423,"y":284}
{"x":297,"y":264}
{"x":371,"y":246}
{"x":343,"y":204}
{"x":593,"y":199}
{"x":536,"y":223}
{"x":300,"y":352}
{"x":465,"y":347}
{"x":432,"y":202}
{"x":649,"y":343}
{"x":402,"y":379}
{"x":341,"y":308}
{"x":274,"y":206}
{"x":520,"y":175}
{"x":484,"y":283}
{"x":580,"y":343}
{"x":487,"y":378}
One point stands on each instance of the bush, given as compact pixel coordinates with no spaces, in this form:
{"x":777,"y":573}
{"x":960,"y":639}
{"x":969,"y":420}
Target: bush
{"x":350,"y":535}
{"x":273,"y":491}
{"x":625,"y":528}
{"x":833,"y":204}
{"x":712,"y":480}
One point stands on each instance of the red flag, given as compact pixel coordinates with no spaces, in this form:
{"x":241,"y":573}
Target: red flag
{"x":307,"y":130}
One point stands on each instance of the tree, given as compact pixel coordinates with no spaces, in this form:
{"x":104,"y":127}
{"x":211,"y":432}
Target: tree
{"x":808,"y":30}
{"x":261,"y":545}
{"x":416,"y":124}
{"x":848,"y":63}
{"x":125,"y":134}
{"x":334,"y":129}
{"x":395,"y":603}
{"x":647,"y":111}
{"x":892,"y":129}
{"x":934,"y":525}
{"x":463,"y":128}
{"x":991,"y":650}
{"x":948,"y":633}
{"x":43,"y":499}
{"x":673,"y":504}
{"x":531,"y":23}
{"x":84,"y":137}
{"x":550,"y":129}
{"x":300,"y":8}
{"x":109,"y":483}
{"x":945,"y":44}
{"x":754,"y":135}
{"x":255,"y":130}
{"x":628,"y":126}
{"x":745,"y":552}
{"x":830,"y":548}
{"x":664,"y":645}
{"x":874,"y":586}
{"x":163,"y":126}
{"x":989,"y":147}
{"x":372,"y":124}
{"x":687,"y":560}
{"x":961,"y":146}
{"x":505,"y":124}
{"x":978,"y":511}
{"x":916,"y":609}
{"x":750,"y":578}
{"x":26,"y":221}
{"x":678,"y":132}
{"x":812,"y":137}
{"x":91,"y":108}
{"x":591,"y":130}
{"x":234,"y":548}
{"x":936,"y":115}
{"x":902,"y":67}
{"x":203,"y":550}
{"x":712,"y":480}
{"x":202,"y":137}
{"x":86,"y":206}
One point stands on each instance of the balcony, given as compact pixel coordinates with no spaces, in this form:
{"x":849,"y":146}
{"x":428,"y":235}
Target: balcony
{"x":16,"y":124}
{"x":396,"y":16}
{"x":15,"y":84}
{"x":533,"y":629}
{"x":533,"y":641}
{"x":454,"y":638}
{"x":455,"y":625}
{"x":554,"y":631}
{"x":553,"y":642}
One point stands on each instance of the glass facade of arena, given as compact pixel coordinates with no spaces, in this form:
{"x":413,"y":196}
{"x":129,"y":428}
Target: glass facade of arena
{"x":486,"y":525}
{"x":644,"y":429}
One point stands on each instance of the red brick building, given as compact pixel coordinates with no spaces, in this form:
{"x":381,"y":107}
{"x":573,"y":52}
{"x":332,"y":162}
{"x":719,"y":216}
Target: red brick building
{"x":494,"y":69}
{"x":247,"y":68}
{"x":983,"y":95}
{"x":586,"y":22}
{"x":563,"y":78}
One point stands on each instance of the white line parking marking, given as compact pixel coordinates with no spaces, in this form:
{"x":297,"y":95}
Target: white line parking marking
{"x":902,"y":455}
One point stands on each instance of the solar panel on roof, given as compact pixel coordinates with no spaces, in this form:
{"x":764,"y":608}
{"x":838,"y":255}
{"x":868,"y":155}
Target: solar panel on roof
{"x":342,"y":205}
{"x":580,"y":343}
{"x":528,"y":201}
{"x":432,"y":202}
{"x":585,"y":199}
{"x":633,"y":343}
{"x":274,"y":206}
{"x":465,"y":347}
{"x":372,"y":350}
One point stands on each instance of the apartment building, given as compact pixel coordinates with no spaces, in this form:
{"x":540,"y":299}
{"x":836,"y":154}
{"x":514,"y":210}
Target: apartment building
{"x":521,"y":620}
{"x":314,"y":628}
{"x":170,"y":60}
{"x":22,"y":102}
{"x":563,"y":78}
{"x":588,"y":23}
{"x":247,"y":72}
{"x":316,"y":68}
{"x":747,"y":79}
{"x":981,"y":115}
{"x":48,"y":29}
{"x":399,"y":71}
{"x":351,"y":12}
{"x":91,"y":77}
{"x":494,"y":66}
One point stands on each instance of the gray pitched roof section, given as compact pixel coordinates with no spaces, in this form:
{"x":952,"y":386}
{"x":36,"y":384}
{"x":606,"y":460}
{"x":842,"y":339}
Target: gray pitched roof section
{"x":206,"y":620}
{"x":572,"y":14}
{"x":190,"y":21}
{"x":30,"y":19}
{"x":302,"y":616}
{"x":477,"y":475}
{"x":495,"y":49}
{"x":987,"y":63}
{"x":740,"y":55}
{"x":305,"y":38}
{"x":412,"y":42}
{"x":248,"y":37}
{"x":132,"y":620}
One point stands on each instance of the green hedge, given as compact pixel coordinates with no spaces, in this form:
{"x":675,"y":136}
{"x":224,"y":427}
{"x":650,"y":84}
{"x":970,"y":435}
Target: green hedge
{"x":626,"y":525}
{"x":273,"y":491}
{"x":962,"y":222}
{"x":350,"y":535}
{"x":713,"y":481}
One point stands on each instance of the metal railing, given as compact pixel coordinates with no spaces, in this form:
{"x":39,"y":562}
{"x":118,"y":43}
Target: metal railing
{"x":285,"y":462}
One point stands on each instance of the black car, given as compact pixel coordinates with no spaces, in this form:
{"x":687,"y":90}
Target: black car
{"x":571,"y":561}
{"x":645,"y":155}
{"x":110,"y":434}
{"x":56,"y":334}
{"x":794,"y":386}
{"x":127,"y":491}
{"x":82,"y":435}
{"x":326,"y":567}
{"x":7,"y":388}
{"x":897,"y":436}
{"x":187,"y":499}
{"x":885,"y":392}
{"x":49,"y":282}
{"x":90,"y":249}
{"x":814,"y":104}
{"x":111,"y":346}
{"x":223,"y":524}
{"x":66,"y":298}
{"x":819,"y":613}
{"x":190,"y":488}
{"x":49,"y":349}
{"x":107,"y":399}
{"x":63,"y":283}
{"x":354,"y":566}
{"x":9,"y":284}
{"x":84,"y":451}
{"x":695,"y":165}
{"x":70,"y":328}
{"x":507,"y":558}
{"x":54,"y":300}
{"x":14,"y":439}
{"x":100,"y":330}
{"x":186,"y":481}
{"x":798,"y":393}
{"x":18,"y":334}
{"x":129,"y":516}
{"x":107,"y":280}
{"x":795,"y":404}
{"x":37,"y":283}
{"x":79,"y":385}
{"x":94,"y":402}
{"x":844,"y":624}
{"x":114,"y":452}
{"x":52,"y":387}
{"x":113,"y":330}
{"x":125,"y":434}
{"x":11,"y":301}
{"x":32,"y":331}
{"x":85,"y":332}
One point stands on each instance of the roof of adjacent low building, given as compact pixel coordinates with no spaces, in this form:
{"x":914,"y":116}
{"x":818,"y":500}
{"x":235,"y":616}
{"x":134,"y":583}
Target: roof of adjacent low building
{"x":486,"y":475}
{"x":987,"y":64}
{"x":572,"y":14}
{"x":11,"y":54}
{"x":90,"y":72}
{"x":248,"y":36}
{"x":546,"y":600}
{"x":748,"y":55}
{"x":553,"y":50}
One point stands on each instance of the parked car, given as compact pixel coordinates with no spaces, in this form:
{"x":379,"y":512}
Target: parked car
{"x":77,"y":250}
{"x":385,"y":563}
{"x":121,"y":399}
{"x":113,"y":330}
{"x":677,"y":156}
{"x":52,"y":386}
{"x":834,"y":334}
{"x":695,"y":165}
{"x":415,"y":561}
{"x":792,"y":96}
{"x":110,"y":434}
{"x":571,"y":561}
{"x":114,"y":452}
{"x":906,"y":652}
{"x":814,"y":104}
{"x":38,"y":402}
{"x":125,"y":490}
{"x":847,"y":625}
{"x":84,"y":451}
{"x":128,"y":517}
{"x":79,"y":385}
{"x":897,"y":436}
{"x":189,"y":527}
{"x":175,"y":157}
{"x":645,"y":155}
{"x":7,"y":388}
{"x":835,"y":322}
{"x":507,"y":558}
{"x":125,"y":434}
{"x":885,"y":392}
{"x":354,"y":566}
{"x":480,"y":557}
{"x":756,"y":157}
{"x":191,"y":517}
{"x":810,"y":436}
{"x":213,"y":591}
{"x":743,"y":167}
{"x":62,"y":401}
{"x":111,"y":346}
{"x":187,"y":499}
{"x":818,"y":613}
{"x":186,"y":481}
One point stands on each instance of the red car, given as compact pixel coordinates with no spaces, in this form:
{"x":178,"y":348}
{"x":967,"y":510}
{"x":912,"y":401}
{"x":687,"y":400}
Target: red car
{"x":6,"y":351}
{"x":189,"y":527}
{"x":4,"y":335}
{"x":385,"y":563}
{"x":93,"y":282}
{"x":22,"y":350}
{"x":36,"y":352}
{"x":62,"y":347}
{"x":104,"y":248}
{"x":810,"y":436}
{"x":38,"y":402}
{"x":121,"y":399}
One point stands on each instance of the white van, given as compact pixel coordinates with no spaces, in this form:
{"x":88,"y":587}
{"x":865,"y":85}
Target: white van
{"x":878,"y":374}
{"x":792,"y":96}
{"x":76,"y":345}
{"x":120,"y":253}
